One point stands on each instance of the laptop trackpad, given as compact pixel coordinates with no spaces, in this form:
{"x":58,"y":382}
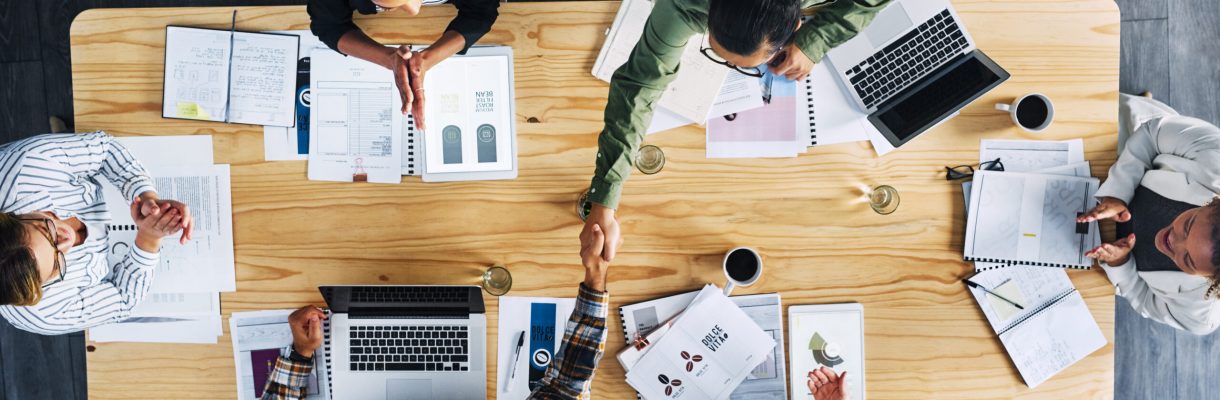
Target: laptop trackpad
{"x":890,"y":22}
{"x":408,"y":389}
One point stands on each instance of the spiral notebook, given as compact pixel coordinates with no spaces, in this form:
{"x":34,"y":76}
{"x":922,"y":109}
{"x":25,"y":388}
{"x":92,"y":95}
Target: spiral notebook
{"x":1052,"y":332}
{"x":1030,"y":219}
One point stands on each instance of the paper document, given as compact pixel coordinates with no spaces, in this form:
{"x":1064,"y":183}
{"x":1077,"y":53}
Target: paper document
{"x":263,"y":82}
{"x":219,"y":75}
{"x":469,"y":116}
{"x":1031,"y":155}
{"x":1030,"y":219}
{"x":543,"y":320}
{"x":197,"y":73}
{"x":837,"y":119}
{"x":258,"y":338}
{"x":188,"y":330}
{"x":827,"y":335}
{"x":1054,"y":331}
{"x":769,"y":131}
{"x":292,"y":144}
{"x":355,"y":122}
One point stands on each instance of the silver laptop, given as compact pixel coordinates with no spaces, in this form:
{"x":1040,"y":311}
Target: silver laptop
{"x":407,"y":342}
{"x":912,"y":67}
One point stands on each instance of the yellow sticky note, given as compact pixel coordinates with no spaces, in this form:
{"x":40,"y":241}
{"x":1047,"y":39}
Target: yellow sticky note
{"x":1010,"y":290}
{"x":192,"y":111}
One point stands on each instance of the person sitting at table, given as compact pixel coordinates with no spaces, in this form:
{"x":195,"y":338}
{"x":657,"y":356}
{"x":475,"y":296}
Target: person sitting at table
{"x":742,"y":35}
{"x":1161,"y":192}
{"x":54,"y":273}
{"x":568,"y":377}
{"x":331,"y":22}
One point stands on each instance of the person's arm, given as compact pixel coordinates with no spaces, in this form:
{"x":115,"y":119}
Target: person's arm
{"x":832,"y":25}
{"x":1199,"y":317}
{"x":474,"y":19}
{"x":1182,"y":138}
{"x":290,"y":379}
{"x":88,"y":155}
{"x":583,"y":346}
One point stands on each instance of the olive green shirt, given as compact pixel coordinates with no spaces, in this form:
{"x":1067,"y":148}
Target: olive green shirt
{"x":653,"y":64}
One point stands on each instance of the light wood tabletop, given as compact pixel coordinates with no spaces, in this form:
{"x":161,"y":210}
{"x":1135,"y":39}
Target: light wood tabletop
{"x":925,"y":335}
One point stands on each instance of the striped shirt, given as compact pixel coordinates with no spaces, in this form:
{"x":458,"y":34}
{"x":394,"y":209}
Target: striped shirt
{"x":60,"y":173}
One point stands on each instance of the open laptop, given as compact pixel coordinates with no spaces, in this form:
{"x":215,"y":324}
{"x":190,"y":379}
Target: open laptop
{"x":913,"y":67}
{"x":407,"y":342}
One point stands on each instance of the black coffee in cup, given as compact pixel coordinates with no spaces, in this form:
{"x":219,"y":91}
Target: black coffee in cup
{"x":742,"y":265}
{"x":1032,"y":112}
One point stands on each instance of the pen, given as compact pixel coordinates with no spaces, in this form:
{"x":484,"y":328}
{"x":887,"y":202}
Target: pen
{"x":512,"y":368}
{"x":975,"y":285}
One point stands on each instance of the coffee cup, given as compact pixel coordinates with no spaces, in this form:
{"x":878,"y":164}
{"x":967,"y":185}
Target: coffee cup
{"x":1032,"y":112}
{"x":742,"y":267}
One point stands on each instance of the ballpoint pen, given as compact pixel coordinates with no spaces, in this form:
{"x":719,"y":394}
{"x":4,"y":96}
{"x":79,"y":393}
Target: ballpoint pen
{"x":975,"y":285}
{"x":512,"y":368}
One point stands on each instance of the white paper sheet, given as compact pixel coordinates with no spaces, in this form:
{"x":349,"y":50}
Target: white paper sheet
{"x":468,"y":116}
{"x":256,"y":336}
{"x":514,"y":318}
{"x":1032,"y":155}
{"x":196,"y":73}
{"x":355,"y":122}
{"x":262,"y":90}
{"x":1029,"y":218}
{"x":191,"y":330}
{"x":838,"y":120}
{"x":160,"y":150}
{"x":282,"y":144}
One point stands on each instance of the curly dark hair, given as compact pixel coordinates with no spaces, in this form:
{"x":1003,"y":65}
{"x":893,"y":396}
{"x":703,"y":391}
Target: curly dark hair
{"x":20,"y":281}
{"x":1213,"y":209}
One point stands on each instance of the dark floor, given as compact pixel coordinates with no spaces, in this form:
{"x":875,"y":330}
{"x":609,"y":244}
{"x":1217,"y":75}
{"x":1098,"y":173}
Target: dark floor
{"x":1170,"y":47}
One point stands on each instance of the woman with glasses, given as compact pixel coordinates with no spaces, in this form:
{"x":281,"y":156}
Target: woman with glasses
{"x":1161,"y":192}
{"x":746,"y":36}
{"x":331,"y":21}
{"x":54,"y":274}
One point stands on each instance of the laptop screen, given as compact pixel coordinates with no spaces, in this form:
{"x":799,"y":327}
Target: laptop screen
{"x":388,"y":301}
{"x":940,"y":96}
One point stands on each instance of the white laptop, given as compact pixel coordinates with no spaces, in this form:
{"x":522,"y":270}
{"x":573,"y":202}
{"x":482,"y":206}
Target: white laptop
{"x":407,"y":342}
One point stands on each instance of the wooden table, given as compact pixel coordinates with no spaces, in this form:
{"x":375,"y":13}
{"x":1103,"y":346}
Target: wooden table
{"x":926,"y":337}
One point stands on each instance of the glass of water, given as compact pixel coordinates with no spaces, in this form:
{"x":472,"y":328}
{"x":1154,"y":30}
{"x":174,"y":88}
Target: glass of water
{"x":650,"y":160}
{"x":883,"y":199}
{"x":497,"y":280}
{"x":583,"y":205}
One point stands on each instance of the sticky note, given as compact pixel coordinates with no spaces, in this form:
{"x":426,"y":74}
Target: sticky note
{"x":192,"y":111}
{"x":1010,"y":290}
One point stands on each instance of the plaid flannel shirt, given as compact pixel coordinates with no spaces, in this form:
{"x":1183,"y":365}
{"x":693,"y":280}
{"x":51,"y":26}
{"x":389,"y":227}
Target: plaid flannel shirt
{"x":288,"y":381}
{"x":584,"y":342}
{"x":568,"y":377}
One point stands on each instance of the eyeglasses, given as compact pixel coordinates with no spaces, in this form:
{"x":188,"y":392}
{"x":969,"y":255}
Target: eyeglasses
{"x":60,"y":259}
{"x":966,"y":171}
{"x":755,"y":72}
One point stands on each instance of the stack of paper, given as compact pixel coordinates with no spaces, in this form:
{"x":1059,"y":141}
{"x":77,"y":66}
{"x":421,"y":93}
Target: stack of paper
{"x":258,"y":338}
{"x":704,"y":353}
{"x":539,"y":323}
{"x":183,"y":304}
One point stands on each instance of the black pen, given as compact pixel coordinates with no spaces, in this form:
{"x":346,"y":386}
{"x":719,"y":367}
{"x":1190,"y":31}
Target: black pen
{"x":975,"y":285}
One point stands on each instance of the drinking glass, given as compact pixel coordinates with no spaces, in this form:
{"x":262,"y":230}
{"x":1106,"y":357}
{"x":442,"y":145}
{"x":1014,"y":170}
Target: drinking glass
{"x":650,"y":160}
{"x":497,"y":280}
{"x":883,"y":199}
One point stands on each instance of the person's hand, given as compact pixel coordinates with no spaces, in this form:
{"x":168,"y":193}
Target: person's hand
{"x":150,"y":205}
{"x":826,"y":385}
{"x":400,"y":64}
{"x":792,"y":63}
{"x":591,"y":248}
{"x":1108,"y":208}
{"x":160,"y":222}
{"x":306,"y":324}
{"x":418,"y":65}
{"x":602,"y":217}
{"x":1115,"y":253}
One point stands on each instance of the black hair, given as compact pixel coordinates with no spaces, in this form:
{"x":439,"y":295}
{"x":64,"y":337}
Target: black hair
{"x":1214,"y":210}
{"x":744,"y":26}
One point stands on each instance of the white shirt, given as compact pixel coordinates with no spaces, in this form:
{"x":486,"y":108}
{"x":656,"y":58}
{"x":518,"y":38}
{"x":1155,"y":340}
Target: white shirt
{"x":59,"y":173}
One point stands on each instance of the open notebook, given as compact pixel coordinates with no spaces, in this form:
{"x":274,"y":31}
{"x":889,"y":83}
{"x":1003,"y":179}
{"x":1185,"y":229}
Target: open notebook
{"x":360,"y":135}
{"x":1030,"y":219}
{"x":230,"y":76}
{"x":1054,"y":331}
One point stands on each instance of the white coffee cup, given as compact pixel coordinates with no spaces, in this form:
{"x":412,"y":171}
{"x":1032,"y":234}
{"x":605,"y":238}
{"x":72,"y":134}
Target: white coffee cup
{"x":1030,"y":116}
{"x":743,"y":258}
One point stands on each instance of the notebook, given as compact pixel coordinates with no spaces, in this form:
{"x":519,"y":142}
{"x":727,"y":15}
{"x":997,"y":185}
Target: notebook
{"x":359,"y":133}
{"x":767,"y":381}
{"x":705,"y":353}
{"x":826,"y":335}
{"x":230,"y":76}
{"x":691,"y":94}
{"x":1030,"y":219}
{"x":1054,"y":331}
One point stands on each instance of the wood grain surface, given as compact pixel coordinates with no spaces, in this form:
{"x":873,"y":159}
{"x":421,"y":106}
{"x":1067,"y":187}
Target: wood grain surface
{"x":925,"y":336}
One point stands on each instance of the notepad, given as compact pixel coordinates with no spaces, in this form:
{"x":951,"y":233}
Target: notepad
{"x":1054,"y":331}
{"x":1030,"y":219}
{"x":230,"y":76}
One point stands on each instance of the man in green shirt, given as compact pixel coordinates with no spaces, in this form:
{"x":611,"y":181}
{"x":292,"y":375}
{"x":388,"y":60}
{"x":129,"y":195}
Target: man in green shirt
{"x":742,"y":35}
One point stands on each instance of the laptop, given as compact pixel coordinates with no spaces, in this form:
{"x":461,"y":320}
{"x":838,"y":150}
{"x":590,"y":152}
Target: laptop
{"x":913,"y":67}
{"x":407,"y":342}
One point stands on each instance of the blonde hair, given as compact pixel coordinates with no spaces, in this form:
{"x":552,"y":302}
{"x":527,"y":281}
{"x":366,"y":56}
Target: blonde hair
{"x":20,"y":281}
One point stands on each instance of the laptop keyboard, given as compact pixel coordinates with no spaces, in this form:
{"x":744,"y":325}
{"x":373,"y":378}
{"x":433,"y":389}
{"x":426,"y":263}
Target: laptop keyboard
{"x":894,"y":68}
{"x":411,"y":294}
{"x":409,"y":348}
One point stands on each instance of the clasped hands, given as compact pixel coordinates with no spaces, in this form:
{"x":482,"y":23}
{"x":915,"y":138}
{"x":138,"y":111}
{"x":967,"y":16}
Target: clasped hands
{"x":409,"y":68}
{"x":1118,"y":252}
{"x":157,"y":218}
